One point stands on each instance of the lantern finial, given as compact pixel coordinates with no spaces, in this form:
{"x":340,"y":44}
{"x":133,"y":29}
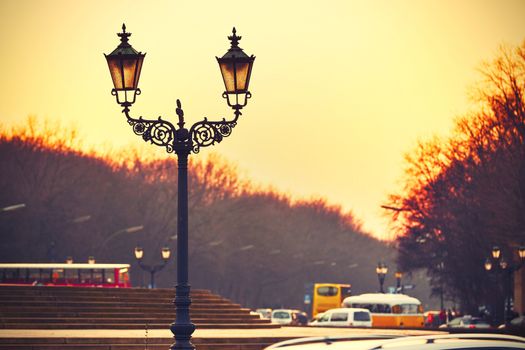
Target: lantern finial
{"x":234,"y":38}
{"x":124,"y":36}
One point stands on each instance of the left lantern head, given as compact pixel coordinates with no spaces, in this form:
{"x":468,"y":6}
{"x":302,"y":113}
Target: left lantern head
{"x":125,"y":64}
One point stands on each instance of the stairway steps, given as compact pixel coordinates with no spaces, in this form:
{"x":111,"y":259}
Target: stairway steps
{"x":106,"y":308}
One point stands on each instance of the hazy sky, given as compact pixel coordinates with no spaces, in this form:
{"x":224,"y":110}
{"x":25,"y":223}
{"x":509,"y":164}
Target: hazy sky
{"x":341,"y":89}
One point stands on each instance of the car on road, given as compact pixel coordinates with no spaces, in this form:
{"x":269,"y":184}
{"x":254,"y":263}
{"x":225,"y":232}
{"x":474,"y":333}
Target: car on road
{"x":427,"y":342}
{"x":515,"y":326}
{"x":289,"y":317}
{"x":264,"y":313}
{"x":466,"y":322}
{"x":344,"y":317}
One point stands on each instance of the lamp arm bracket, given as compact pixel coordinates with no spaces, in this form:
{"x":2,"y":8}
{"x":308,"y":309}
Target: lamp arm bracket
{"x":159,"y":132}
{"x":206,"y":133}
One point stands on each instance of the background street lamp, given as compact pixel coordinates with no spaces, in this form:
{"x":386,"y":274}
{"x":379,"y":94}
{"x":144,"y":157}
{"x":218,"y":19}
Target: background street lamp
{"x":165,"y":253}
{"x":381,"y":271}
{"x":497,"y":262}
{"x":125,"y":65}
{"x":398,"y":275}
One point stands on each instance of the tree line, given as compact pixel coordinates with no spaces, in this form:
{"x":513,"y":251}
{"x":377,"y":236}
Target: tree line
{"x":464,"y":194}
{"x":253,"y":245}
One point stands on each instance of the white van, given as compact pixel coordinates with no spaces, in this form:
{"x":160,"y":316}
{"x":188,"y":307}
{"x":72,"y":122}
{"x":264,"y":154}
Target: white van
{"x":345,"y":317}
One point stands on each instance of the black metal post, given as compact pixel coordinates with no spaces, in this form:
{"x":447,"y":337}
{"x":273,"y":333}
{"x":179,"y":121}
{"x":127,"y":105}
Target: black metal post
{"x":182,"y":328}
{"x":507,"y":275}
{"x":381,"y":282}
{"x":152,"y":279}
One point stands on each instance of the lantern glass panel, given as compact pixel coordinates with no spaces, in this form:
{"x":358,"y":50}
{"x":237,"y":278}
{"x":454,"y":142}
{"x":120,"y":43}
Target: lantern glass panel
{"x":139,"y":253}
{"x":228,"y":75}
{"x":166,"y":253}
{"x":496,"y":252}
{"x":521,"y":252}
{"x":235,"y":76}
{"x":242,"y":76}
{"x":125,"y":72}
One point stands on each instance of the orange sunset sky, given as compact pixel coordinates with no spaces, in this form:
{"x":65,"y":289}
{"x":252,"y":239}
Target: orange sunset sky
{"x":341,"y":89}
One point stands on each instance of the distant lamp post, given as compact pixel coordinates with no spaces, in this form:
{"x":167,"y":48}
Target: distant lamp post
{"x":498,"y":263}
{"x":165,"y":253}
{"x":381,"y":270}
{"x":398,"y":275}
{"x":441,"y":267}
{"x":125,"y":65}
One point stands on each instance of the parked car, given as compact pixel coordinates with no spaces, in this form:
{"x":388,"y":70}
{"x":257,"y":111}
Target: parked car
{"x":515,"y":326}
{"x":289,"y":317}
{"x":466,"y":322}
{"x":345,"y":317}
{"x":427,"y":342}
{"x":264,"y":313}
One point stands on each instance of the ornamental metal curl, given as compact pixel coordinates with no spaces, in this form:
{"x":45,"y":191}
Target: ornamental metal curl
{"x":159,"y":132}
{"x":163,"y":133}
{"x":206,"y":133}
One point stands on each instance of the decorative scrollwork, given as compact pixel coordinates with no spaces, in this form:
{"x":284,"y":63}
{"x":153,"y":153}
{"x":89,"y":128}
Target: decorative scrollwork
{"x":163,"y":133}
{"x":206,"y":133}
{"x":159,"y":132}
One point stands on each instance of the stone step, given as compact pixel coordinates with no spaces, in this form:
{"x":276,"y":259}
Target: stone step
{"x":131,"y":313}
{"x":127,"y":310}
{"x":101,"y":325}
{"x":135,"y":343}
{"x":46,"y":291}
{"x":204,"y":299}
{"x":55,"y":300}
{"x":115,"y":304}
{"x":141,"y":320}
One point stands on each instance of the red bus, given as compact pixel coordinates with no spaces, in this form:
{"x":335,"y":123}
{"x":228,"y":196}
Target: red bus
{"x":72,"y":275}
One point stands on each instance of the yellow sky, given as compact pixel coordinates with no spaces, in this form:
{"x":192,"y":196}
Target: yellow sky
{"x":341,"y":89}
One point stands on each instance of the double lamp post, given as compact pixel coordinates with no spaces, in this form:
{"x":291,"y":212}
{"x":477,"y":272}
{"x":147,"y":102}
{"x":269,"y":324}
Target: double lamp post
{"x":496,"y":262}
{"x":125,"y":64}
{"x":165,"y":253}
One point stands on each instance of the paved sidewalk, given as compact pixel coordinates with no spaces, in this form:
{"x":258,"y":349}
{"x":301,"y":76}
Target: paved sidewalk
{"x":285,"y":332}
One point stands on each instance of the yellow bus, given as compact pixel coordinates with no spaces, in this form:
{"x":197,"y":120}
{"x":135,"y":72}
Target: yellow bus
{"x":327,"y":296}
{"x":390,"y":310}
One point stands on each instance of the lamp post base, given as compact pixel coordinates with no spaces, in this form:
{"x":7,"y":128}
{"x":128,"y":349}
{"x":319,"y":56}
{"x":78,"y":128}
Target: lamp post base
{"x":182,"y":328}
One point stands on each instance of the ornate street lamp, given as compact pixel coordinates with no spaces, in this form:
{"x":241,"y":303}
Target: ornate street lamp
{"x":381,"y":271}
{"x":507,"y":268}
{"x":236,"y":69}
{"x":165,"y":253}
{"x":125,"y":64}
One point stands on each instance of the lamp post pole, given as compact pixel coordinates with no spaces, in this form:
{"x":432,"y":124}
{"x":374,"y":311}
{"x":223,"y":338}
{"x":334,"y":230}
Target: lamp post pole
{"x":398,"y":275}
{"x":507,"y":268}
{"x":125,"y":64}
{"x":381,"y":271}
